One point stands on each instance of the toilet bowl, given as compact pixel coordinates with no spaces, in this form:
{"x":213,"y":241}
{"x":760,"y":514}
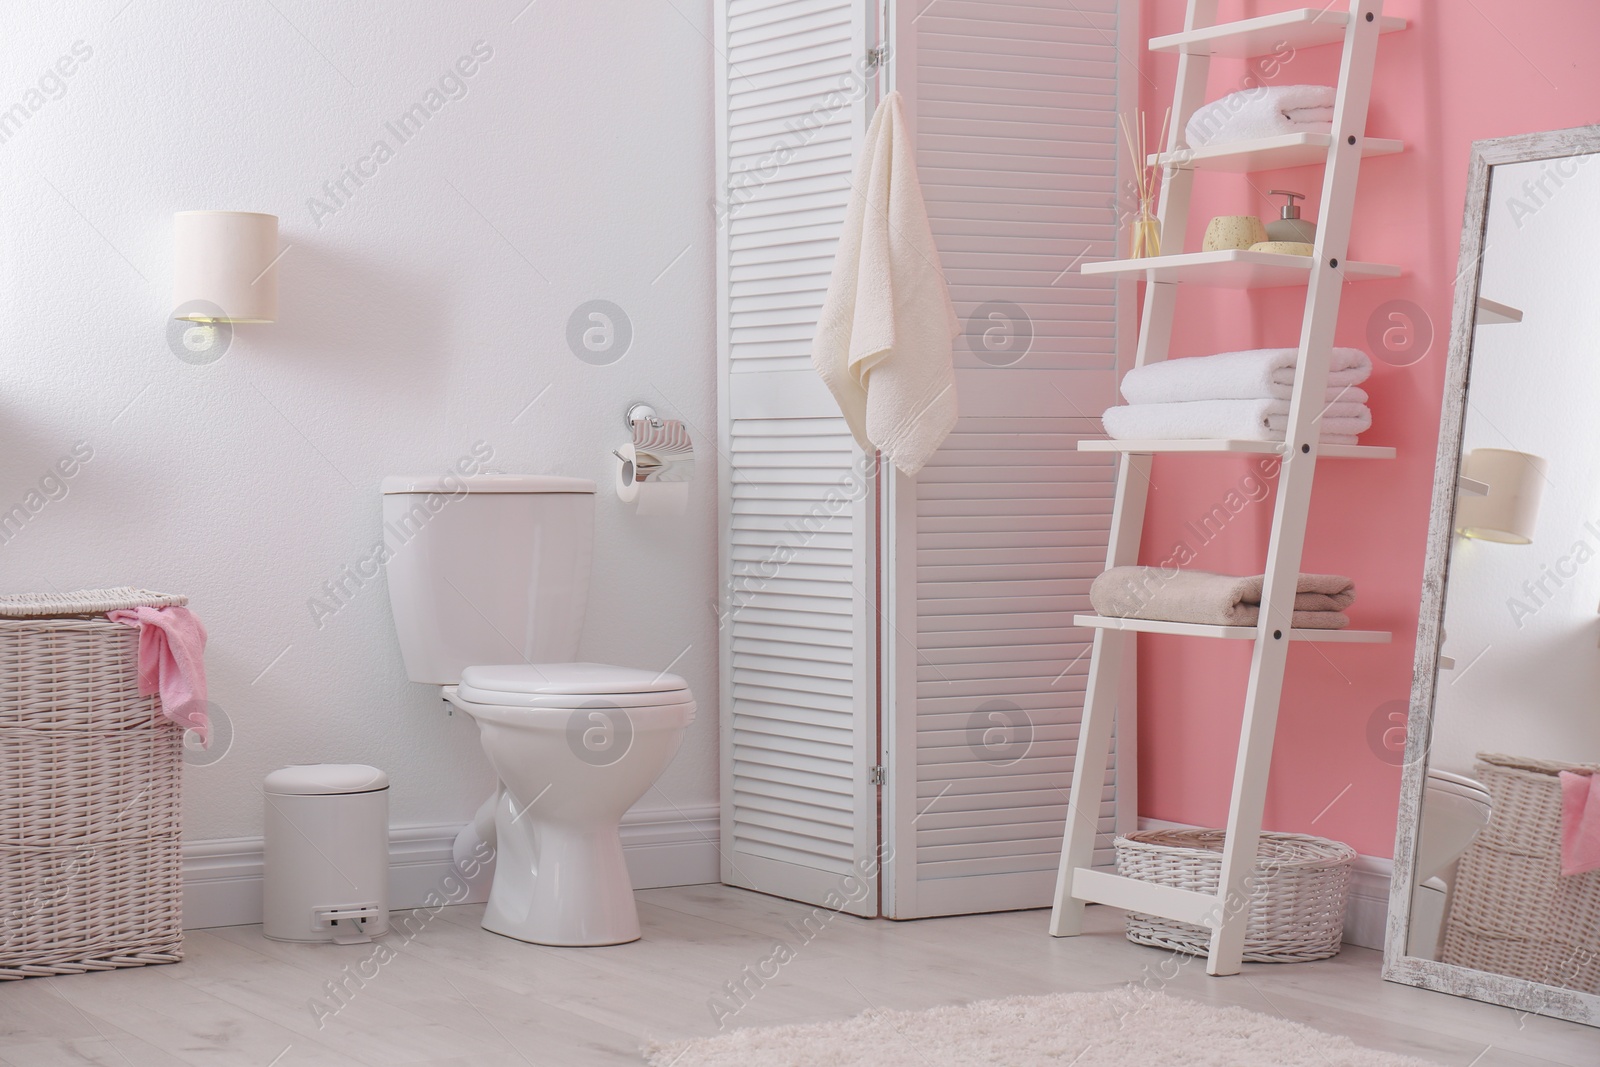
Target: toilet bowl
{"x":574,"y":745}
{"x":487,"y":569}
{"x":1454,"y":809}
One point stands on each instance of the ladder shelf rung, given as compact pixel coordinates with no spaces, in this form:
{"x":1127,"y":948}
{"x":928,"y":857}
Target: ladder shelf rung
{"x":1268,"y":153}
{"x":1235,"y":633}
{"x":1492,"y":312}
{"x":1235,"y":269}
{"x":1119,"y":891}
{"x":1234,"y":445}
{"x":1304,"y":27}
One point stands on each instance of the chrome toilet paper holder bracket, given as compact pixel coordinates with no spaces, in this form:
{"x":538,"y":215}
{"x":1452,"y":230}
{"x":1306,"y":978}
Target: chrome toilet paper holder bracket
{"x":639,"y":411}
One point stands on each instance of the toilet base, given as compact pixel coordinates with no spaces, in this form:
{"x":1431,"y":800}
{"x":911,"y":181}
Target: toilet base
{"x":559,"y":885}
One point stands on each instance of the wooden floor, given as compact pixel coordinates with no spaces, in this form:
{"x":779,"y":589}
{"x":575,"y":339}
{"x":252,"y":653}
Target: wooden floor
{"x":451,"y":993}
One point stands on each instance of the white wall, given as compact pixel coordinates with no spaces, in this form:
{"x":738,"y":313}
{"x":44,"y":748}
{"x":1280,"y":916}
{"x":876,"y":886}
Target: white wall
{"x":420,"y":318}
{"x":1527,"y":677}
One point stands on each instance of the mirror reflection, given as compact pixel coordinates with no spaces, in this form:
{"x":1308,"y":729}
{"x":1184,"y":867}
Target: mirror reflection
{"x":1507,"y":876}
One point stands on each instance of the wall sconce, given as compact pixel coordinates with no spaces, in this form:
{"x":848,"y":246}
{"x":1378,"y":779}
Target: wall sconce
{"x":223,"y":266}
{"x":1508,"y":511}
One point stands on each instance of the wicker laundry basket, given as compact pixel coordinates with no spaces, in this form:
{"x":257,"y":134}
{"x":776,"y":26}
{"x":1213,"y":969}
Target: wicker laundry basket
{"x":89,"y":791}
{"x":1511,"y":910}
{"x":1297,"y":900}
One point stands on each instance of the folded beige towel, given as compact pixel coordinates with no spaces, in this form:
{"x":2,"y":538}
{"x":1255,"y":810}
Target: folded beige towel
{"x":1216,"y":599}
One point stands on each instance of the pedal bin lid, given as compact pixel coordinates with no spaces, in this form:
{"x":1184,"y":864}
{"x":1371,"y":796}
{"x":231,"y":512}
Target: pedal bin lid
{"x":325,"y":779}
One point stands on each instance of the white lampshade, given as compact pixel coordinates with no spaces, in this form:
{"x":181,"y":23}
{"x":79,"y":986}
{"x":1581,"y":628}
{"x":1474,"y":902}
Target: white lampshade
{"x":1509,"y":511}
{"x":224,"y":267}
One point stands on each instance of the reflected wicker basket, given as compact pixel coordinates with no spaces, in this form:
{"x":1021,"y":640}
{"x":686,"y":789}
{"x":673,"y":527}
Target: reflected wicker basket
{"x":90,"y":875}
{"x":1298,"y":891}
{"x":1511,"y":910}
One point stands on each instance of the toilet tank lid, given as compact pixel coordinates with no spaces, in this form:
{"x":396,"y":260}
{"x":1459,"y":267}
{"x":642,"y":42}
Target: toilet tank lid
{"x":318,"y":779}
{"x":451,"y":484}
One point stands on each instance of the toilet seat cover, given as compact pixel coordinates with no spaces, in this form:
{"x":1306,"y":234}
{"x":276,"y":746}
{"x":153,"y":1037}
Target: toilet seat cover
{"x":557,"y":684}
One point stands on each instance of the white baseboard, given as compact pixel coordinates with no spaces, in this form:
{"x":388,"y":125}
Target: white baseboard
{"x":664,"y":847}
{"x":1366,"y":913}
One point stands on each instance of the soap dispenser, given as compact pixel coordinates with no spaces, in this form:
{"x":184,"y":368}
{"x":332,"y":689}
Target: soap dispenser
{"x":1289,"y":226}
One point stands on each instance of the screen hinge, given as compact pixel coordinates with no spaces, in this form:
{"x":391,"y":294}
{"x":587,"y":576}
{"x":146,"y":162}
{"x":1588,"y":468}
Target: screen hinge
{"x":877,"y":776}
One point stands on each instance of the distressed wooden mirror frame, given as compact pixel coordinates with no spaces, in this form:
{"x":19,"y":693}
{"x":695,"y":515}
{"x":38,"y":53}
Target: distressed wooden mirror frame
{"x":1520,"y":993}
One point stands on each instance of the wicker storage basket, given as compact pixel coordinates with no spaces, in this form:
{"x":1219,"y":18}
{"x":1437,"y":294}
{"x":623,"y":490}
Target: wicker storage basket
{"x":89,"y":792}
{"x":1296,"y":903}
{"x":1511,"y":911}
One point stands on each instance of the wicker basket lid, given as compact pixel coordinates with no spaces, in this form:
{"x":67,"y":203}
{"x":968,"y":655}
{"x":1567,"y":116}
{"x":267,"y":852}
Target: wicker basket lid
{"x":83,"y":602}
{"x":1536,"y":766}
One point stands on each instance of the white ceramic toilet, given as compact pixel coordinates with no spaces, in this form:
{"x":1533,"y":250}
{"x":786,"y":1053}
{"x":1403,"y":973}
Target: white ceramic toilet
{"x":1454,"y":809}
{"x":488,"y":581}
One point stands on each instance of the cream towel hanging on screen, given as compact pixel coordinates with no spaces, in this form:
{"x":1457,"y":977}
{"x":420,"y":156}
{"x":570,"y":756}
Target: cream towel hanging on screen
{"x":884,"y":338}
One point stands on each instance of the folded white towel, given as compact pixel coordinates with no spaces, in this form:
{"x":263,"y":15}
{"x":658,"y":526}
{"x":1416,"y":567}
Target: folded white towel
{"x":1338,"y":420}
{"x":1265,"y":111}
{"x":1247,"y":420}
{"x":884,"y":338}
{"x":1250,"y":375}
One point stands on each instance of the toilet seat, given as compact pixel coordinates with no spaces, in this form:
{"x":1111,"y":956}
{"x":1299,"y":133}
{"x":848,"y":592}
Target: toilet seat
{"x":569,"y":686}
{"x":1458,"y":785}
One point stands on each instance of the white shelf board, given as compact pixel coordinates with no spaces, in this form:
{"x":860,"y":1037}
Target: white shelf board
{"x":1446,"y":663}
{"x":1471,"y":486}
{"x":1492,"y":312}
{"x":1235,"y":269}
{"x":1237,"y":633}
{"x":1268,"y":448}
{"x":1304,"y":27}
{"x":1268,"y":153}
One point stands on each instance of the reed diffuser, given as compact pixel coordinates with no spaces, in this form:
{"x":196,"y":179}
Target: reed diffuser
{"x":1145,"y":241}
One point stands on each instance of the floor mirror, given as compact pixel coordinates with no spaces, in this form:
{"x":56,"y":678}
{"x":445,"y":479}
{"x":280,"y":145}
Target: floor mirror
{"x":1496,"y":892}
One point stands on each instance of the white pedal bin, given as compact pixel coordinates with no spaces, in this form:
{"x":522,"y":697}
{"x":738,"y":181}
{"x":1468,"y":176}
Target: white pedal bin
{"x":326,"y":866}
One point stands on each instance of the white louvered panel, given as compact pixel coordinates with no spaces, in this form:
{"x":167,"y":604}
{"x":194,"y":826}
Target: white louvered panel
{"x":798,"y":727}
{"x":999,"y":703}
{"x":1017,"y":147}
{"x":791,"y":127}
{"x":792,"y":723}
{"x":995,"y":544}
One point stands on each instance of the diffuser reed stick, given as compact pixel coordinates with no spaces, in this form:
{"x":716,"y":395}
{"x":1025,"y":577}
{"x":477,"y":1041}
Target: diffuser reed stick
{"x":1145,"y":239}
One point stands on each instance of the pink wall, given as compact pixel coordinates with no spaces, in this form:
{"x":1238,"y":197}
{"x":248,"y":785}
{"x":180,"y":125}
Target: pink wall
{"x":1462,"y":72}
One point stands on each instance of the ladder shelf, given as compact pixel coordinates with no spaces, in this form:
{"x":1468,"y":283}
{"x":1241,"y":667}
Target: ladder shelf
{"x":1266,"y":35}
{"x":1323,"y":275}
{"x":1268,"y":153}
{"x":1235,"y":268}
{"x":1234,"y":633}
{"x":1234,"y":445}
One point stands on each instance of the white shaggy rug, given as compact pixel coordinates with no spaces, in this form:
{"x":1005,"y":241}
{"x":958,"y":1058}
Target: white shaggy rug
{"x":1123,"y":1028}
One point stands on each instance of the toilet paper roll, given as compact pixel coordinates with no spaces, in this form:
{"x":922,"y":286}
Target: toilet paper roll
{"x":653,"y":497}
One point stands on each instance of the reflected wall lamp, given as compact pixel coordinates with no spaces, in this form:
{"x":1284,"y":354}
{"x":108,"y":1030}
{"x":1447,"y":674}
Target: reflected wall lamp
{"x":1503,"y":503}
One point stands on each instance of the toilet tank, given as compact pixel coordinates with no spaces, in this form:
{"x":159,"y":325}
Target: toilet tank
{"x":487,"y":569}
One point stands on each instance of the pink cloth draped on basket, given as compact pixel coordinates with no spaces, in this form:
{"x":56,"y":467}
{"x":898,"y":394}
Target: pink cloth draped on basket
{"x":1580,"y":823}
{"x":172,"y":646}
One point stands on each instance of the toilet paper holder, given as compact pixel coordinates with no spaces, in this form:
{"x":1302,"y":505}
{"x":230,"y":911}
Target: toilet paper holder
{"x":661,"y":450}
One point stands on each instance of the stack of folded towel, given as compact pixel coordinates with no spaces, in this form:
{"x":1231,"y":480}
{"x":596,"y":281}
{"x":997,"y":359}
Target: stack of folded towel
{"x":1216,"y":599}
{"x":1265,"y":111}
{"x":1238,"y":395}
